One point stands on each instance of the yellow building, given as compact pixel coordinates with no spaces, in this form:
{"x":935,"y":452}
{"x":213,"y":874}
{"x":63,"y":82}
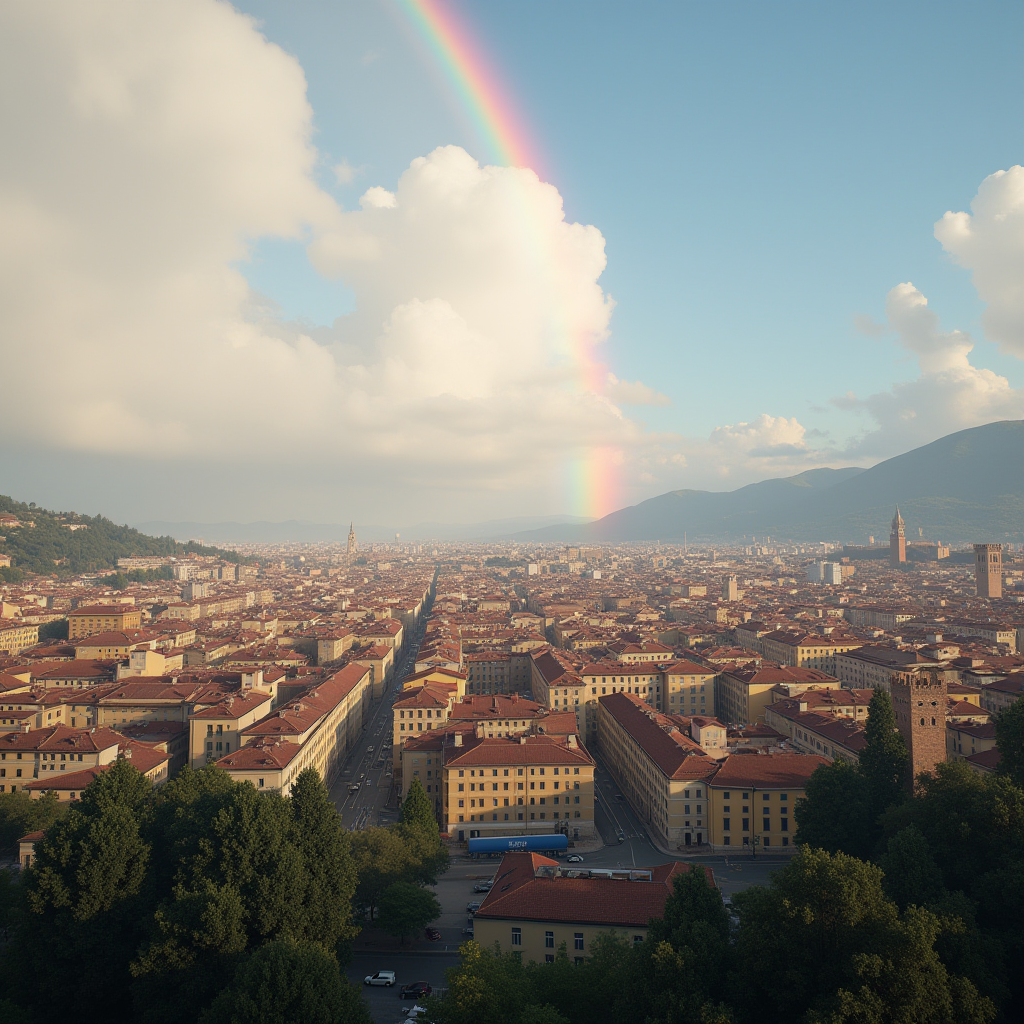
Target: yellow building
{"x":538,"y":906}
{"x":16,"y":636}
{"x":662,"y":772}
{"x":687,"y":689}
{"x":744,"y":692}
{"x":752,"y":800}
{"x":517,"y":786}
{"x":807,"y":650}
{"x":102,"y":618}
{"x":215,"y":731}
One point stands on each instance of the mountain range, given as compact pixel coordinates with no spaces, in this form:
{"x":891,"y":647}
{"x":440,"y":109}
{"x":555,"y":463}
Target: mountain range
{"x":967,"y":486}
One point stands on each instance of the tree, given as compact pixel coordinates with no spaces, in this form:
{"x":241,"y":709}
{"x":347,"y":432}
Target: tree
{"x":823,"y":940}
{"x":487,"y":985}
{"x":381,"y":857}
{"x":283,"y":982}
{"x":406,"y":907}
{"x":416,"y":808}
{"x":884,"y":759}
{"x":912,"y":878}
{"x":327,"y":857}
{"x":20,"y":814}
{"x":836,"y":811}
{"x":1010,"y":741}
{"x":420,"y":831}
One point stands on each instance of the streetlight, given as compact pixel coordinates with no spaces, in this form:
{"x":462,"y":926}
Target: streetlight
{"x":757,"y":843}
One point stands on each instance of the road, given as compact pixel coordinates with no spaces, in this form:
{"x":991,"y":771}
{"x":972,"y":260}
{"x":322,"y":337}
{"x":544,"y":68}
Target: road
{"x":386,"y":1004}
{"x":374,"y":803}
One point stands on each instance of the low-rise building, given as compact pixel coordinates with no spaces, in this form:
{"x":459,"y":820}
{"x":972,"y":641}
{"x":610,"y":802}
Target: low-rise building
{"x":538,"y":906}
{"x":743,"y":692}
{"x":752,"y":800}
{"x":102,"y":618}
{"x":662,"y":772}
{"x":16,"y":636}
{"x":215,"y":731}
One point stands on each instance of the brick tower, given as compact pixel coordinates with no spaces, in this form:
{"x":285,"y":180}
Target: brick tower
{"x":919,"y":701}
{"x":897,"y":540}
{"x":988,"y":569}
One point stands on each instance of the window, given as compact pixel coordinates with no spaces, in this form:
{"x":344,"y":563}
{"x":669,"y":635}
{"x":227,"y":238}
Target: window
{"x":578,"y":940}
{"x":517,"y":936}
{"x":549,"y":940}
{"x":785,"y":827}
{"x":549,"y":958}
{"x":261,"y":783}
{"x":767,"y":825}
{"x":637,"y":939}
{"x":746,"y":824}
{"x":725,"y":824}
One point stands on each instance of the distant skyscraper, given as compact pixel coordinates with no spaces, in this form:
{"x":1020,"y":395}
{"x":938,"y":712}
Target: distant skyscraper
{"x":988,"y":569}
{"x":730,"y":589}
{"x":897,"y":540}
{"x":352,"y":542}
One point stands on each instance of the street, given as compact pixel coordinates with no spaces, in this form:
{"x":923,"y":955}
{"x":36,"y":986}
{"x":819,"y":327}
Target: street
{"x":374,"y":802}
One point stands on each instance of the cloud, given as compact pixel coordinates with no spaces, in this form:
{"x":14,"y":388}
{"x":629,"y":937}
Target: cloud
{"x":989,"y":242}
{"x":633,"y":392}
{"x":345,"y":173}
{"x":147,"y":147}
{"x":949,"y":394}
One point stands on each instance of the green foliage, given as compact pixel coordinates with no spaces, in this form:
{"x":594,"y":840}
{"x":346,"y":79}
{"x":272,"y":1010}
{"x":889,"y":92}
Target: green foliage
{"x":49,"y":547}
{"x":912,"y":877}
{"x":836,"y":813}
{"x":884,"y":759}
{"x":20,"y":814}
{"x":1010,"y":741}
{"x":824,"y":940}
{"x":416,"y":808}
{"x":406,"y":907}
{"x":55,"y":630}
{"x":283,"y":982}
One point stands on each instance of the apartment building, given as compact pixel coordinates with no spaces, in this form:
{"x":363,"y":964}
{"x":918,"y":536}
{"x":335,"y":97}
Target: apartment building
{"x":872,"y":665}
{"x":380,"y":660}
{"x":660,"y":769}
{"x":315,"y":730}
{"x":42,"y":753}
{"x":807,"y":650}
{"x":517,"y":786}
{"x":752,"y":800}
{"x":215,"y":731}
{"x":102,"y":618}
{"x":537,"y":905}
{"x":744,"y":692}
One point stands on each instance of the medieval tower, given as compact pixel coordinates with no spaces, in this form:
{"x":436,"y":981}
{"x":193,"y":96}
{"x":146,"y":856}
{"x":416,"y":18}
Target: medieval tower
{"x":897,"y":540}
{"x":919,"y":701}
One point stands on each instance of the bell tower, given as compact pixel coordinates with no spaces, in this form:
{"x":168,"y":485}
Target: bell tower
{"x":353,"y":544}
{"x":897,"y":540}
{"x":919,"y":702}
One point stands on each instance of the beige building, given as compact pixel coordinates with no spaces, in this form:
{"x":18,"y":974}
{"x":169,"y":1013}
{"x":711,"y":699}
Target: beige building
{"x":660,"y":769}
{"x":315,"y":730}
{"x":807,"y":650}
{"x":743,"y":693}
{"x":17,"y":636}
{"x":46,"y":753}
{"x":541,"y":906}
{"x":102,"y":618}
{"x":872,"y":666}
{"x":752,"y":801}
{"x":380,"y":660}
{"x":215,"y":731}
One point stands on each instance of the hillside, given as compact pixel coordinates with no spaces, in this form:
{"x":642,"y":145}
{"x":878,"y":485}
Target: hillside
{"x":51,"y":546}
{"x":965,"y":486}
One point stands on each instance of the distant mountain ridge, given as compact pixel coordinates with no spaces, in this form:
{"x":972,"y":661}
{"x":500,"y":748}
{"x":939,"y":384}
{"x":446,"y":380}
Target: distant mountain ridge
{"x":303,"y":532}
{"x":965,"y":486}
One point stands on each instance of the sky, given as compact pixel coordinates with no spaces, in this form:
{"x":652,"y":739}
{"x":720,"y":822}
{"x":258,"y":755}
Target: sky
{"x":314,"y":261}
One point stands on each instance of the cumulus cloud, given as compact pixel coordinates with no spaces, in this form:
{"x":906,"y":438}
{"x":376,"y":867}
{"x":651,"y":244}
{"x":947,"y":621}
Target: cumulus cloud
{"x":633,"y":392}
{"x":989,"y":241}
{"x":949,"y":394}
{"x":147,"y":146}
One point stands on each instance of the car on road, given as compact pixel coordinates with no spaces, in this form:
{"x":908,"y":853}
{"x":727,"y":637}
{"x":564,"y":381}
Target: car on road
{"x":415,"y":990}
{"x":468,"y":931}
{"x":483,"y":886}
{"x":370,"y":748}
{"x":473,"y":907}
{"x":622,"y":837}
{"x":433,"y":935}
{"x":574,"y":858}
{"x":386,"y":978}
{"x":354,"y":788}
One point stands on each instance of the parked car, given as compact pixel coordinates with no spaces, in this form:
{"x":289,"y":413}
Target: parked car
{"x":622,"y":837}
{"x":415,"y":990}
{"x":386,"y":978}
{"x":433,"y":935}
{"x":468,"y":931}
{"x":574,"y":858}
{"x":482,"y":887}
{"x":354,"y":788}
{"x":370,"y":748}
{"x":472,"y":908}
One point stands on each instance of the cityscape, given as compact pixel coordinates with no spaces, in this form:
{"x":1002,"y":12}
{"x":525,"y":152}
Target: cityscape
{"x":371,"y":652}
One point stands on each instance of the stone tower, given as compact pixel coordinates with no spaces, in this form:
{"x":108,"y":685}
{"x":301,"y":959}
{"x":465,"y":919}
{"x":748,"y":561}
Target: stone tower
{"x":897,"y":540}
{"x":919,"y":701}
{"x":988,"y":569}
{"x":353,"y":544}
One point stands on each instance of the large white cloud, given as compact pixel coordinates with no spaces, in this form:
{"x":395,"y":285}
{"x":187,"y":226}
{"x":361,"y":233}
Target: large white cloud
{"x":989,"y":242}
{"x":146,"y":146}
{"x":949,"y":394}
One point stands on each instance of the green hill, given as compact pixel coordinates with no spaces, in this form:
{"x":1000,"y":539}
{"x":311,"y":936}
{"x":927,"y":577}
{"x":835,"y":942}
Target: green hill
{"x":50,"y":546}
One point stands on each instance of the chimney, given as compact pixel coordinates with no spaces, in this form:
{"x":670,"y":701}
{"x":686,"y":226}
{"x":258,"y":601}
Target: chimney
{"x":458,"y":739}
{"x":522,"y":741}
{"x":571,"y":741}
{"x":801,"y":705}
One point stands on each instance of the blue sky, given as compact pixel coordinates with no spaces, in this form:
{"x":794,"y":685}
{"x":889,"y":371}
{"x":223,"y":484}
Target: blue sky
{"x":762,"y":173}
{"x":267,"y":236}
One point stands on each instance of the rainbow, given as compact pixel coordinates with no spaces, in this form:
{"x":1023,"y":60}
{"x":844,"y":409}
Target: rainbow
{"x":591,"y":479}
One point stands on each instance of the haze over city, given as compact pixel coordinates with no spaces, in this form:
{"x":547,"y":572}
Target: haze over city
{"x":511,"y":513}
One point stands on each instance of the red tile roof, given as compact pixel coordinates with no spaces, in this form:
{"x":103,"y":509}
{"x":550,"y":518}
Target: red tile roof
{"x":767,"y":771}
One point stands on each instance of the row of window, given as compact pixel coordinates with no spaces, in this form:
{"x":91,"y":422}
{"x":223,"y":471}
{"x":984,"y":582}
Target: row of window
{"x":519,"y":816}
{"x":519,"y":801}
{"x":766,"y":825}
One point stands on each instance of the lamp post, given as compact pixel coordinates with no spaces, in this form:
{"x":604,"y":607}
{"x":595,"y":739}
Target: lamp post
{"x":756,"y":844}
